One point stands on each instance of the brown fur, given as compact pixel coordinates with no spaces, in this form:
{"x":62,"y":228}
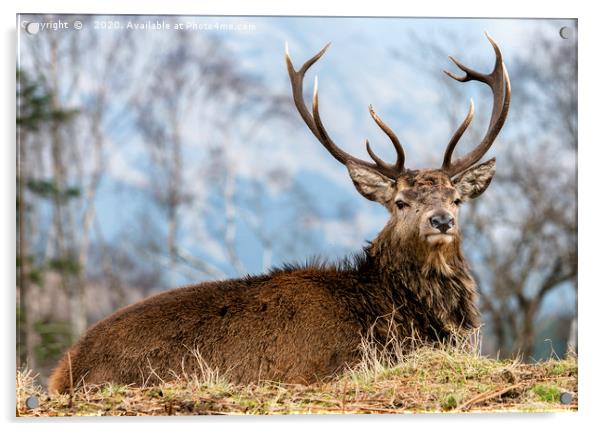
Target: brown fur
{"x":296,"y":324}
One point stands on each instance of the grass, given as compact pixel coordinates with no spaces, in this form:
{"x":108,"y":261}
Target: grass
{"x":443,"y":378}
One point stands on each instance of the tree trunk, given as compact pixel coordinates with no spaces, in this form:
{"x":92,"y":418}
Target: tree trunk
{"x":72,"y":286}
{"x":25,"y":328}
{"x":526,"y":336}
{"x":230,"y":221}
{"x":571,"y":345}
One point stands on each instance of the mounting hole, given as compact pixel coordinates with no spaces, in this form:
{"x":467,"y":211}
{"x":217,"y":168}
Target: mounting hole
{"x":566,"y":398}
{"x":32,"y":27}
{"x":565,"y":32}
{"x":32,"y":402}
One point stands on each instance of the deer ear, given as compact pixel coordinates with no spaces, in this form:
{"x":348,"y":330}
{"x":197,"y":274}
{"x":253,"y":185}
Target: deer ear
{"x":471,"y":183}
{"x":371,"y":184}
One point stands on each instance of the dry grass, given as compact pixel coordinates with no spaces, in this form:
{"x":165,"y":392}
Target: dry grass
{"x":450,"y":377}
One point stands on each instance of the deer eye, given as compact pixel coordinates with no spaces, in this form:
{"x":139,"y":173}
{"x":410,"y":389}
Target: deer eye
{"x":401,"y":204}
{"x":457,"y":202}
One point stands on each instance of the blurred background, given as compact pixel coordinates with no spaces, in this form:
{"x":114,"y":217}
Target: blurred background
{"x":155,"y":152}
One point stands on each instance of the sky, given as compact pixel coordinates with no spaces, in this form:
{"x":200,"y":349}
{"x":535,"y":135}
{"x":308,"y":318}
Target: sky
{"x":370,"y":61}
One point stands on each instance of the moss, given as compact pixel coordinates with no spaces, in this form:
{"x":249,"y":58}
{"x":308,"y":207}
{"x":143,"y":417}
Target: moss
{"x":449,"y":402}
{"x":559,"y":368}
{"x":547,"y":393}
{"x":113,"y":390}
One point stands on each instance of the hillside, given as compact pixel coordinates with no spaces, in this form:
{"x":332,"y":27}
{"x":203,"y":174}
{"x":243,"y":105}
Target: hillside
{"x":427,"y":380}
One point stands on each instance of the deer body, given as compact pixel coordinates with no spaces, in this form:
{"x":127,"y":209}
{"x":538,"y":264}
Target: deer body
{"x":293,"y":325}
{"x":302,"y":324}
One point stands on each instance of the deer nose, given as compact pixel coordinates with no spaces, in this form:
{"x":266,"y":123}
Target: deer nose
{"x":442,"y":221}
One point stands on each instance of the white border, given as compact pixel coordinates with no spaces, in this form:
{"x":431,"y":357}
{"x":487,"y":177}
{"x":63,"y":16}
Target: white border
{"x":589,"y":197}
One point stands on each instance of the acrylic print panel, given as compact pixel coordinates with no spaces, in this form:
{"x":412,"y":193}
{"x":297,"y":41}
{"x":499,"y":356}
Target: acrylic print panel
{"x":156,"y":152}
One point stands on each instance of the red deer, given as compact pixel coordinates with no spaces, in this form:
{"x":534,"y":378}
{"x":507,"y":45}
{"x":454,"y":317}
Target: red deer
{"x":303,"y":323}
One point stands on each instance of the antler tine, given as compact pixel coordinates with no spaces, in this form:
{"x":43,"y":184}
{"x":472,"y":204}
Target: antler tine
{"x":324,"y":138}
{"x":456,"y":137}
{"x":380,"y":162}
{"x":470,"y":73}
{"x":314,"y":122}
{"x":296,"y":78}
{"x":499,"y":82}
{"x":399,"y":164}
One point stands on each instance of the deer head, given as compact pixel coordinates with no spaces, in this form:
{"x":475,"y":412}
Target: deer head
{"x":423,"y":204}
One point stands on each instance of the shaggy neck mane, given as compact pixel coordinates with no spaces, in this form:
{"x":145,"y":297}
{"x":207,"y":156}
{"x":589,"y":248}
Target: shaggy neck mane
{"x":390,"y":254}
{"x":436,"y":278}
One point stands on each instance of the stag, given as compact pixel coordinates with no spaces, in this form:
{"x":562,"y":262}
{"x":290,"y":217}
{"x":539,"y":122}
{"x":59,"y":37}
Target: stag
{"x":303,"y":323}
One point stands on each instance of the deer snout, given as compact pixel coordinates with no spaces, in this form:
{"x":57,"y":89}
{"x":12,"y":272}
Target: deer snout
{"x":442,"y":221}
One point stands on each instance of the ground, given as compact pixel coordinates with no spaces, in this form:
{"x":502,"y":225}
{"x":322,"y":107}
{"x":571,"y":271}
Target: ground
{"x":430,"y":379}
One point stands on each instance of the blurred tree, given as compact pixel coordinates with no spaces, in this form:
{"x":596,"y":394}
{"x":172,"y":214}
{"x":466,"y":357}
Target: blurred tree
{"x":530,"y":245}
{"x":35,"y":112}
{"x":167,"y":109}
{"x":62,"y":165}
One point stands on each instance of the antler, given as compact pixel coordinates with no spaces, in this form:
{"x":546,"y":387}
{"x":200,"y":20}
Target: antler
{"x":499,"y":82}
{"x":314,"y":123}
